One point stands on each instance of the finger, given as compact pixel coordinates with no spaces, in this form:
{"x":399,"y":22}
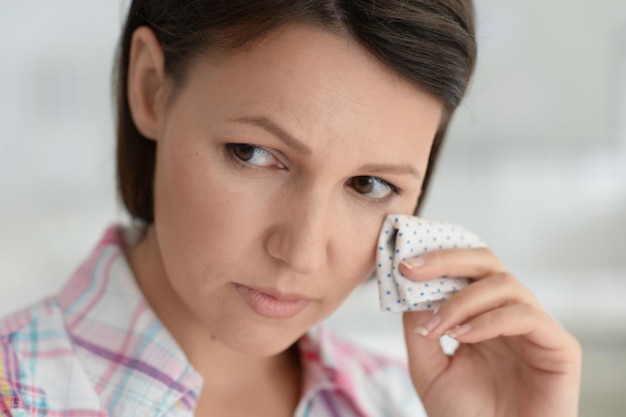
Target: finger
{"x":474,"y":263}
{"x":426,"y":359}
{"x":560,"y":350}
{"x":511,"y":320}
{"x":480,"y":297}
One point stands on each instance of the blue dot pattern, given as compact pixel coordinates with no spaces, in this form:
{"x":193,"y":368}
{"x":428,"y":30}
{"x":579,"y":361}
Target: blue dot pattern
{"x":403,"y":237}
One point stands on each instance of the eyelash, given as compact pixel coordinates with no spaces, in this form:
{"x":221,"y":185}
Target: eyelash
{"x":394,"y":191}
{"x":231,"y":152}
{"x":393,"y":188}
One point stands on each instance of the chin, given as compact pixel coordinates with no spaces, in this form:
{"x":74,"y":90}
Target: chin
{"x":260,"y":339}
{"x":266,"y":351}
{"x":263,"y":347}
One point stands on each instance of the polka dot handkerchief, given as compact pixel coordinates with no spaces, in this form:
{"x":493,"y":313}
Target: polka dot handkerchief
{"x":403,"y":237}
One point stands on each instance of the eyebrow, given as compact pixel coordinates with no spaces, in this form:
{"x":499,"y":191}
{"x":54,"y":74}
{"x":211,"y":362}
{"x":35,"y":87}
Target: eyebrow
{"x":280,"y":133}
{"x":299,"y":147}
{"x":403,"y":169}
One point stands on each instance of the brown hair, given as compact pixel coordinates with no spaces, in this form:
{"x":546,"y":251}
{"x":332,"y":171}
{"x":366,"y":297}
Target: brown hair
{"x":430,"y":43}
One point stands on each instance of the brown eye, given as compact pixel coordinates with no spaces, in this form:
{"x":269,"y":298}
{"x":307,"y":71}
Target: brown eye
{"x":372,"y":187}
{"x":243,"y":151}
{"x":253,"y":155}
{"x":362,"y":185}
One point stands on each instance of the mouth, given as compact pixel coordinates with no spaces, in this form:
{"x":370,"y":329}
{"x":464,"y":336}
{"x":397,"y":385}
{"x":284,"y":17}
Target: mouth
{"x":272,"y":304}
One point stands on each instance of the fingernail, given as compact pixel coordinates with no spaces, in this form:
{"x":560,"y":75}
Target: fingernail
{"x":414,"y":263}
{"x":459,"y":331}
{"x":428,"y":325}
{"x":421,"y":331}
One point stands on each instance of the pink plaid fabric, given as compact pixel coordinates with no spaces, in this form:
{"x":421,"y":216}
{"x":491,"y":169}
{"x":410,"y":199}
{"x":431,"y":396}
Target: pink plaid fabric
{"x":97,"y":349}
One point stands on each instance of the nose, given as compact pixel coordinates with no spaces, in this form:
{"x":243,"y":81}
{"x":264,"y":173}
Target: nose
{"x":302,"y":234}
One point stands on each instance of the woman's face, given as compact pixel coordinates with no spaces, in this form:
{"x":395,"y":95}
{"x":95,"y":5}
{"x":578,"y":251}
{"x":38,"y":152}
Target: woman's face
{"x":275,"y":169}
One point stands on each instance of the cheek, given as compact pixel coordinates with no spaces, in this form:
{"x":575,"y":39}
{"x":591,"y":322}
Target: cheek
{"x":353,"y":257}
{"x":199,"y":215}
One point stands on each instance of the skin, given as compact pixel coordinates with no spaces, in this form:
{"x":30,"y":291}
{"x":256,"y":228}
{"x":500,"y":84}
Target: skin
{"x":514,"y":358}
{"x":289,"y":217}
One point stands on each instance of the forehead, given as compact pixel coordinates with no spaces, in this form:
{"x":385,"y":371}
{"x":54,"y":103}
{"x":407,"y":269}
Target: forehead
{"x":321,"y":86}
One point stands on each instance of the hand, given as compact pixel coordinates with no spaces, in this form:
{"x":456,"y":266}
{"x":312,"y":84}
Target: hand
{"x":514,"y":359}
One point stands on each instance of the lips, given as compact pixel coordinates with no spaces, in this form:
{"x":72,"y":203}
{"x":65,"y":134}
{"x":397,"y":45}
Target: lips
{"x":272,"y":304}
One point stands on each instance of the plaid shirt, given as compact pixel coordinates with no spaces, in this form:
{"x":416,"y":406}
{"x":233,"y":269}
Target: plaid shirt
{"x":97,"y":349}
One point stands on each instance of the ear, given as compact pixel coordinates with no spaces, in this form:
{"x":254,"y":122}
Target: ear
{"x":146,"y":81}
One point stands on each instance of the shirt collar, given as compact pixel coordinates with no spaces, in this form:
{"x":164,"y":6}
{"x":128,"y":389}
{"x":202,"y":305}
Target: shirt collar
{"x":120,"y":341}
{"x":333,"y":365}
{"x":122,"y":344}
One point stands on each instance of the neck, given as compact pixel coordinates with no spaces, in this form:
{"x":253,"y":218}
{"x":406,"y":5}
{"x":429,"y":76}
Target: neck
{"x":226,"y":373}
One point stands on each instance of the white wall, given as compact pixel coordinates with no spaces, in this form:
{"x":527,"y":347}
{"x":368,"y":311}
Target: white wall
{"x":56,"y":146}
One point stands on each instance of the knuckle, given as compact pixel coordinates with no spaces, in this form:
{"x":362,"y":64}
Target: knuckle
{"x":518,"y":291}
{"x":530,"y":311}
{"x":490,"y":254}
{"x":489,"y":319}
{"x":503,"y":279}
{"x":576,"y":348}
{"x":456,"y":308}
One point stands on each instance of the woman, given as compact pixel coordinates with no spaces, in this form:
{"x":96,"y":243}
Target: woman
{"x":260,"y":146}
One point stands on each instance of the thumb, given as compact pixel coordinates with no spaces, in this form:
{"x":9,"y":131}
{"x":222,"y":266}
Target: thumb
{"x":426,"y":359}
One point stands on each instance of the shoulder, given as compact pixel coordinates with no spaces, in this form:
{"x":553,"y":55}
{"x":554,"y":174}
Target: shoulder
{"x":25,"y":337}
{"x":23,"y":319}
{"x":31,"y":329}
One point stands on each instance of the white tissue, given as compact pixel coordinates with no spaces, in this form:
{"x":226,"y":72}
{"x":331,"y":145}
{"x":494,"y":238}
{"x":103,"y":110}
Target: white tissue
{"x":403,"y":237}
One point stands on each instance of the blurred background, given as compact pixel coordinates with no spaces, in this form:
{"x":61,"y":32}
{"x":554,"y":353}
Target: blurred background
{"x":535,"y":163}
